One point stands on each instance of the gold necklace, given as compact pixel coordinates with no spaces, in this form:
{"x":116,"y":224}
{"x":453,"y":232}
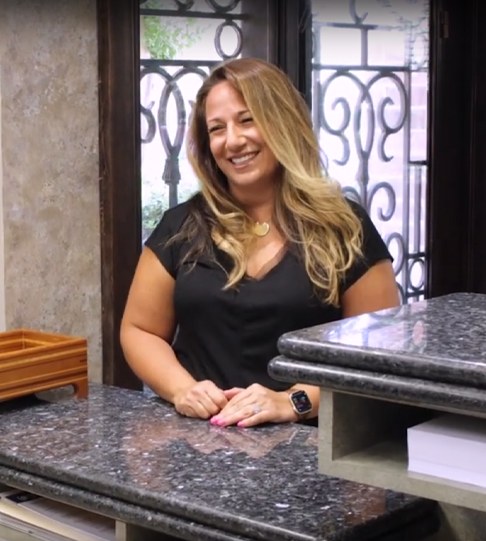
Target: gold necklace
{"x":260,"y":229}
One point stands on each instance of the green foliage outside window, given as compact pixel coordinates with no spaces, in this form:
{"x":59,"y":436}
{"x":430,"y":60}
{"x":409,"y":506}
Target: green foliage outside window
{"x":165,"y":37}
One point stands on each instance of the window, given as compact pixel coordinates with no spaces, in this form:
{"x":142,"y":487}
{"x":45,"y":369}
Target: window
{"x":369,"y":102}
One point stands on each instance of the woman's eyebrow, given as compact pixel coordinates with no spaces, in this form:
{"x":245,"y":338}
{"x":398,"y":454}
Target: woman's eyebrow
{"x":218,"y":119}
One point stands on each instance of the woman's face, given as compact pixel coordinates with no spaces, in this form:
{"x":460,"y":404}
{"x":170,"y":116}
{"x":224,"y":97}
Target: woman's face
{"x":236,"y":143}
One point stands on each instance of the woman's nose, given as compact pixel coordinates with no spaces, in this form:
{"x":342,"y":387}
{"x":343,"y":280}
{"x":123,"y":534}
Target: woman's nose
{"x":234,"y":137}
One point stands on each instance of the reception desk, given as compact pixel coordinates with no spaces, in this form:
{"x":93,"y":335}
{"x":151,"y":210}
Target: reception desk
{"x":129,"y":456}
{"x":384,"y":372}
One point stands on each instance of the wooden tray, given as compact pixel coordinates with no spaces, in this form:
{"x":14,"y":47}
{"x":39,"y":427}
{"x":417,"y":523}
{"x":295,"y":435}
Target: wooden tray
{"x":33,"y":361}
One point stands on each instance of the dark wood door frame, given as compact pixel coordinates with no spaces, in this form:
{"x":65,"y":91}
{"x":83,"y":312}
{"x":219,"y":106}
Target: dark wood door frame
{"x":477,"y":256}
{"x":119,"y":174}
{"x":449,"y":168}
{"x":457,"y":182}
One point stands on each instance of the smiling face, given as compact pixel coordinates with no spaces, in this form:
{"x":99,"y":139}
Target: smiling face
{"x":236,"y":143}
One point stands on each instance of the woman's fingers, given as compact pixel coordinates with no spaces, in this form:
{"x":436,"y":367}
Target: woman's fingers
{"x":202,"y":400}
{"x":231,"y":393}
{"x":253,"y":406}
{"x":247,"y":407}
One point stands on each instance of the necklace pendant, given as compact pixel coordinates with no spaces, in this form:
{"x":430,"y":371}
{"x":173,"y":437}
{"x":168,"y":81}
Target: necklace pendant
{"x":261,"y":229}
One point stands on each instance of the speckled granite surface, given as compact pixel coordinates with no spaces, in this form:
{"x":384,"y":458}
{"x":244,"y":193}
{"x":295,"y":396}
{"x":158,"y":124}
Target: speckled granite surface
{"x":129,"y":455}
{"x":441,"y":340}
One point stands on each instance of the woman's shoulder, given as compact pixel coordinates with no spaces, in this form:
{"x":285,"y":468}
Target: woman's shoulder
{"x":174,"y":217}
{"x":170,"y":223}
{"x":367,"y":225}
{"x":356,"y":207}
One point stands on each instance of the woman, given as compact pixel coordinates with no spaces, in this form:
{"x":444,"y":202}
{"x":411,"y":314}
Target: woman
{"x":269,"y":245}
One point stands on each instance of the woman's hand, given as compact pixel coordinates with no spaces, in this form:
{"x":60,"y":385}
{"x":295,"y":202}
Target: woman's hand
{"x":253,"y":406}
{"x":203,"y":399}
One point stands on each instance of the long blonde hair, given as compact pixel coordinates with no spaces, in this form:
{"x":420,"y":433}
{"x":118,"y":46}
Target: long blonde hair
{"x":310,"y":210}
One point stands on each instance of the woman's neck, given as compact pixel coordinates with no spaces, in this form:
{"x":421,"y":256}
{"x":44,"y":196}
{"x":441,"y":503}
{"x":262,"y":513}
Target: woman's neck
{"x":261,"y":213}
{"x":258,"y":206}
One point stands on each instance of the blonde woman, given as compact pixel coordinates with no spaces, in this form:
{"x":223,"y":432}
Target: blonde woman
{"x":267,"y":246}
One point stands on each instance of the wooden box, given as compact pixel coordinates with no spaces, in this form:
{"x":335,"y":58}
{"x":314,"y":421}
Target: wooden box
{"x":33,"y":361}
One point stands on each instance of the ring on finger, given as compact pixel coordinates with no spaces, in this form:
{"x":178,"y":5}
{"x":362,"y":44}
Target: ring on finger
{"x":256,"y":409}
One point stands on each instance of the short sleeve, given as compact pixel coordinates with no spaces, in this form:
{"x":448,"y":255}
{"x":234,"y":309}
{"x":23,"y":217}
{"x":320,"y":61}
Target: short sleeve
{"x":168,"y":253}
{"x":373,"y":248}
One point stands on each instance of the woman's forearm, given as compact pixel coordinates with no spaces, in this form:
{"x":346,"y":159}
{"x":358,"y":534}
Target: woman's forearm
{"x":153,"y":360}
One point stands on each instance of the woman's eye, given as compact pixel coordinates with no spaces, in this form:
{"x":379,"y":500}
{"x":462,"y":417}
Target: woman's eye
{"x":247,"y":119}
{"x":214,"y":129}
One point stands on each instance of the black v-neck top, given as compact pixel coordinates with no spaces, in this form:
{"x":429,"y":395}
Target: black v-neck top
{"x":229,"y":336}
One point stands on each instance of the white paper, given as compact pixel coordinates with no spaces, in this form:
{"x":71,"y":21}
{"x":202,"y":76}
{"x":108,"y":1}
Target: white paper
{"x":66,"y":520}
{"x":448,"y":472}
{"x":450,"y":446}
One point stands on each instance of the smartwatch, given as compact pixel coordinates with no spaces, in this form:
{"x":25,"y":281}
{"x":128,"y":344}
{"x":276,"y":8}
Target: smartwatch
{"x":300,"y":401}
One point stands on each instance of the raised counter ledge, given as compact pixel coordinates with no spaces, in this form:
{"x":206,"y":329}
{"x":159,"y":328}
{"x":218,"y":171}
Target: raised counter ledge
{"x":441,"y":340}
{"x":467,"y":400}
{"x":131,"y":456}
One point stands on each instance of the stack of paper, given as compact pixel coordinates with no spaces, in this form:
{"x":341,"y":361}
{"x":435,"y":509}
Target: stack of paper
{"x":12,"y":529}
{"x":44,"y":519}
{"x":450,"y":446}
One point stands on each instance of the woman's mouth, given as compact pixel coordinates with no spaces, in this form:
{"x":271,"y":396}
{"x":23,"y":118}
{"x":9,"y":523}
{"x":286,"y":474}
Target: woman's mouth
{"x":243,"y":160}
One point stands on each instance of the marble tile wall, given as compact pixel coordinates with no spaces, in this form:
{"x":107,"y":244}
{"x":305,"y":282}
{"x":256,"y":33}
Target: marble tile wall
{"x":49,"y":165}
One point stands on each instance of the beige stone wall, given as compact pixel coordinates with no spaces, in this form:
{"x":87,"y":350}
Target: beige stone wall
{"x":2,"y":258}
{"x":49,"y":169}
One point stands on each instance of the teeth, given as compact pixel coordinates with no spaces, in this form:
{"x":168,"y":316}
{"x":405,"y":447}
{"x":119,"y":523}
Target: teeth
{"x":242,"y":159}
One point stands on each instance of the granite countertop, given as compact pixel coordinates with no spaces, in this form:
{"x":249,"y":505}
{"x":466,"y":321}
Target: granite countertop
{"x":440,"y":340}
{"x":130,"y":453}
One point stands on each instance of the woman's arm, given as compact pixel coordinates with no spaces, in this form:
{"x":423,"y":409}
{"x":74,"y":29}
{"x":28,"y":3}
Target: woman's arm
{"x":375,"y":290}
{"x":147,"y":329}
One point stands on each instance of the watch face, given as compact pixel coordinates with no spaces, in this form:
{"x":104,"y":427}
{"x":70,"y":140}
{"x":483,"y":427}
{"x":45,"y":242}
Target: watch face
{"x":301,"y":402}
